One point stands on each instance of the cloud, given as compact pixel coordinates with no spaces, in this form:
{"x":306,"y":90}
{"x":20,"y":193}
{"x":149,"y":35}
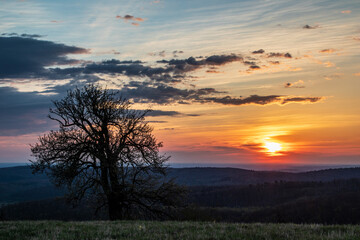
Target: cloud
{"x":326,"y":64}
{"x":254,"y":67}
{"x":213,"y":71}
{"x":157,"y":113}
{"x":23,"y":112}
{"x":28,"y":57}
{"x":274,"y":62}
{"x":329,"y":64}
{"x":24,"y":35}
{"x":297,"y":84}
{"x":176,"y":52}
{"x":310,"y":27}
{"x":357,"y":74}
{"x":144,"y":92}
{"x":191,"y":64}
{"x":263,"y":100}
{"x":161,"y":53}
{"x":301,"y":100}
{"x":131,"y":18}
{"x":346,"y":11}
{"x":328,"y":50}
{"x":260,"y":51}
{"x":279,"y":55}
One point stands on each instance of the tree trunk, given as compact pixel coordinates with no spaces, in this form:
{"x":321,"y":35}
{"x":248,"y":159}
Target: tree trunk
{"x":116,"y":211}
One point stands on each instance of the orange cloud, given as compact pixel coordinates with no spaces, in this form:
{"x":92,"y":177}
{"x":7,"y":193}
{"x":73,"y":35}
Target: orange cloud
{"x":357,"y":74}
{"x":329,"y":64}
{"x":328,"y":50}
{"x":346,"y":11}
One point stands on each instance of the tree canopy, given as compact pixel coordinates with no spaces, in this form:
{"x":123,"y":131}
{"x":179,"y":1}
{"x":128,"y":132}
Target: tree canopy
{"x":103,"y":149}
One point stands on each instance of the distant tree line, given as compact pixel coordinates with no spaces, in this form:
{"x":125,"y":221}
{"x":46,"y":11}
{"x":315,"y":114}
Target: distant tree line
{"x":336,"y":202}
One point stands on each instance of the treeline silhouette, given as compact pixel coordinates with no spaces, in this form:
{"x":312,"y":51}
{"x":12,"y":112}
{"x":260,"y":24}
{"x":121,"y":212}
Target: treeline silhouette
{"x":334,"y":202}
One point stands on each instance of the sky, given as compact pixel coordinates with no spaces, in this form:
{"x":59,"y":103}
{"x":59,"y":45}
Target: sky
{"x":237,"y":82}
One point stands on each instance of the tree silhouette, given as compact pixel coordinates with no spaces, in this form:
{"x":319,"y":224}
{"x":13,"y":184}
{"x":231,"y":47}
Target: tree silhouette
{"x":103,"y":148}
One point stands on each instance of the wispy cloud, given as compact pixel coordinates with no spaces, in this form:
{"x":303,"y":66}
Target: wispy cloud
{"x":297,"y":84}
{"x":310,"y":27}
{"x":328,"y":50}
{"x":264,"y":100}
{"x":135,"y":20}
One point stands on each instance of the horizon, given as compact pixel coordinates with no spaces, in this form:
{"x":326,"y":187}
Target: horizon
{"x":256,"y":167}
{"x":246,"y":83}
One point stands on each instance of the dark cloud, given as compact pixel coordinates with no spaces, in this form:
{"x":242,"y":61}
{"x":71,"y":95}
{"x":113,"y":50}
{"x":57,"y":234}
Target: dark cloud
{"x":26,"y":112}
{"x":285,"y":55}
{"x":115,"y":61}
{"x":129,"y":17}
{"x":328,"y":50}
{"x":24,"y":35}
{"x":191,"y":64}
{"x":253,"y":99}
{"x":260,"y":51}
{"x":144,"y":92}
{"x":112,"y":67}
{"x":262,"y":100}
{"x":301,"y":99}
{"x":249,"y":63}
{"x":156,"y":113}
{"x":213,"y":71}
{"x":28,"y":57}
{"x":254,"y":67}
{"x":310,"y":27}
{"x":23,"y":112}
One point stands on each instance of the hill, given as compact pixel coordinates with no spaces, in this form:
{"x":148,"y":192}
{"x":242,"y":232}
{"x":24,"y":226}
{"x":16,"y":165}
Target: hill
{"x":236,"y":176}
{"x":19,"y":184}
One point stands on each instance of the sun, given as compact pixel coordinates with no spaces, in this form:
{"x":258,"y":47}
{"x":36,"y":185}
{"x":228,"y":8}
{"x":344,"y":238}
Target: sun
{"x":272,"y":147}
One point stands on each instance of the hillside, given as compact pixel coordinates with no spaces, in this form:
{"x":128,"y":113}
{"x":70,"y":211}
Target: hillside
{"x":19,"y":184}
{"x":236,"y":176}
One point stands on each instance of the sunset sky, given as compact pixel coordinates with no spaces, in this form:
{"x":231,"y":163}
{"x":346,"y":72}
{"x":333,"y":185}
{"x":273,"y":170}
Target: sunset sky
{"x":245,"y":82}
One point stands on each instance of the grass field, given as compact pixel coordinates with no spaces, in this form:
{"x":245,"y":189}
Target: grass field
{"x":104,"y":230}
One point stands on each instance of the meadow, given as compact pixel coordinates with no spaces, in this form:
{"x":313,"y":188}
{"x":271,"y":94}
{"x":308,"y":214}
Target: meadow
{"x":141,"y":230}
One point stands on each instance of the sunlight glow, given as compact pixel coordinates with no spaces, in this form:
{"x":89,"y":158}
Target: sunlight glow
{"x":272,"y":147}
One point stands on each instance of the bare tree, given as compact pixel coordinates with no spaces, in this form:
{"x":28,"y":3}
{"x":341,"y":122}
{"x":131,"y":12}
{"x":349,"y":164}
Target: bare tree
{"x":103,"y":148}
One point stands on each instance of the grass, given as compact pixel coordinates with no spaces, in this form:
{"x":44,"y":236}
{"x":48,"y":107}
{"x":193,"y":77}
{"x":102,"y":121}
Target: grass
{"x":141,"y":230}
